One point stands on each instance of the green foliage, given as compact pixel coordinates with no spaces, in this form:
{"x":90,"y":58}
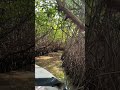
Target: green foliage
{"x":48,"y":21}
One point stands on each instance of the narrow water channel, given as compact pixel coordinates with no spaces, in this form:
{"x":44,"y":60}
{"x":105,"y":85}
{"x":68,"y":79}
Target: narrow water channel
{"x":52,"y":63}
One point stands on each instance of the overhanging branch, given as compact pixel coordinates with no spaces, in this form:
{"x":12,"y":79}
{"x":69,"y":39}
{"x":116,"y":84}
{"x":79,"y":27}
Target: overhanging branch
{"x":70,"y":15}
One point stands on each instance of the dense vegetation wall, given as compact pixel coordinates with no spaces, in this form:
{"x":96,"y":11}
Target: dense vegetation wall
{"x":102,"y":46}
{"x":16,"y":34}
{"x":98,"y":67}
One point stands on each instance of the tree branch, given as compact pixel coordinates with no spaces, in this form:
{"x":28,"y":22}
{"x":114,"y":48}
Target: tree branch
{"x":70,"y":15}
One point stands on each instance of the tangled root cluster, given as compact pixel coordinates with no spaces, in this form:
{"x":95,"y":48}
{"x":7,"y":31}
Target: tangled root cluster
{"x":74,"y":60}
{"x":45,"y":46}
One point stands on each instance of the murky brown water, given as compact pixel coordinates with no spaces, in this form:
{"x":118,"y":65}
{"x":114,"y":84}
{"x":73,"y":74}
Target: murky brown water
{"x":17,"y":80}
